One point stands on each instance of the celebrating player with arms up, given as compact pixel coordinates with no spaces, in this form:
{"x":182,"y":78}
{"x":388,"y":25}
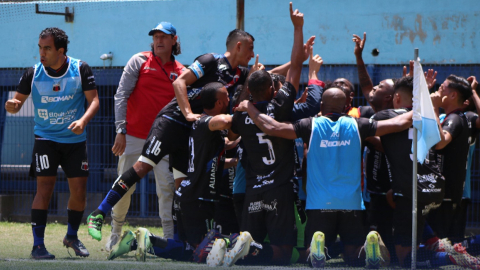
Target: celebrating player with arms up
{"x":269,"y":198}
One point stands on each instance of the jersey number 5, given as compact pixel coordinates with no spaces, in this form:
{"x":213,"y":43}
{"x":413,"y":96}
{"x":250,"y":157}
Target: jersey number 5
{"x":270,"y":149}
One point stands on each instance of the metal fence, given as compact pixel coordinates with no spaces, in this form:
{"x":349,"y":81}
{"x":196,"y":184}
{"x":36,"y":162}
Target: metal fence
{"x":16,"y":137}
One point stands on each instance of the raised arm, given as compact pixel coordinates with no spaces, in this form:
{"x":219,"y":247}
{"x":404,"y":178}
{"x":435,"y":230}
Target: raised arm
{"x":298,"y":52}
{"x":363,"y":77}
{"x":475,"y":98}
{"x":180,"y":88}
{"x":445,"y":136}
{"x":266,"y":123}
{"x":315,"y":89}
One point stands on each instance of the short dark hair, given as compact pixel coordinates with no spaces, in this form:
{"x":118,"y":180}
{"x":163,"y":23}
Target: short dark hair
{"x":404,"y":83}
{"x":461,"y":85}
{"x":259,"y":82}
{"x":176,"y":49}
{"x":209,"y":94}
{"x":60,"y":38}
{"x":236,"y":35}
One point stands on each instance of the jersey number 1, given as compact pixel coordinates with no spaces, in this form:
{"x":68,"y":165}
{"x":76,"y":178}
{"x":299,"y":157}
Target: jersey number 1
{"x":270,"y":149}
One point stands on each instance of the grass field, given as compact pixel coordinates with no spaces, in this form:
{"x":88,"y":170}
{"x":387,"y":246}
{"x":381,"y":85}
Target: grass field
{"x":16,"y":243}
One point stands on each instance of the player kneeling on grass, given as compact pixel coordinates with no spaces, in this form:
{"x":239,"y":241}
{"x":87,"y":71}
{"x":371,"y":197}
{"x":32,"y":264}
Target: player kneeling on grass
{"x":333,"y":137}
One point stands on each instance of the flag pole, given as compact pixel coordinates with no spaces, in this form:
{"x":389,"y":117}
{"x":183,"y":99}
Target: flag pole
{"x":414,"y":192}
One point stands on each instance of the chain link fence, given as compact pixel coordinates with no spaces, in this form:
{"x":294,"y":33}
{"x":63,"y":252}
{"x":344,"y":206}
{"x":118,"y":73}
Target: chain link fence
{"x":16,"y":137}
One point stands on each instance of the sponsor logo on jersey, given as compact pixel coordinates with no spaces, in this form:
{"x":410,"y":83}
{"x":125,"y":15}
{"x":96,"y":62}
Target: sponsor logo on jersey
{"x":185,"y":183}
{"x":327,"y":143}
{"x":43,"y":113}
{"x":173,"y":76}
{"x":47,"y":99}
{"x":150,"y":68}
{"x":260,"y":206}
{"x":56,"y":87}
{"x":222,"y":67}
{"x":84,"y":166}
{"x":236,"y":78}
{"x":335,"y":135}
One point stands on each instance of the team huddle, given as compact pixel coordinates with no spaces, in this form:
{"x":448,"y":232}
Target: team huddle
{"x":229,"y":148}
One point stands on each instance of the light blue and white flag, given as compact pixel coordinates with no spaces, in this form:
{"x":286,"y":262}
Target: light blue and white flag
{"x":424,"y":119}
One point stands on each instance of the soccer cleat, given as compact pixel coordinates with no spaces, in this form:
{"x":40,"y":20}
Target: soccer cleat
{"x":384,"y":253}
{"x":112,"y":240}
{"x":372,"y":251}
{"x":77,"y":246}
{"x":461,"y":257}
{"x":201,"y":252}
{"x":317,"y":247}
{"x":215,"y":256}
{"x":443,"y":245}
{"x":95,"y":226}
{"x":123,"y":246}
{"x":240,"y":250}
{"x":41,"y":253}
{"x":143,"y":244}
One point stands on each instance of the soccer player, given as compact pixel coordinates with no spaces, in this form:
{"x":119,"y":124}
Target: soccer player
{"x":431,"y":183}
{"x":454,"y":150}
{"x":146,"y":83}
{"x":269,"y":197}
{"x":59,"y":85}
{"x":198,"y":192}
{"x":171,"y":128}
{"x":334,"y":198}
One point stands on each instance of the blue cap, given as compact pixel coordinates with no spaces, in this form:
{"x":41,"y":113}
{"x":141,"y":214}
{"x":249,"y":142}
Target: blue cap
{"x":165,"y":27}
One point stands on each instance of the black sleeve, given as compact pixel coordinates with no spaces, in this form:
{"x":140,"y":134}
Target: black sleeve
{"x":88,"y":80}
{"x":235,"y":122}
{"x":243,"y":75}
{"x":25,"y":84}
{"x":284,"y":101}
{"x":472,"y":118}
{"x":366,"y":111}
{"x":366,"y":127}
{"x":453,"y":124}
{"x":383,"y":115}
{"x":203,"y":65}
{"x":303,"y":129}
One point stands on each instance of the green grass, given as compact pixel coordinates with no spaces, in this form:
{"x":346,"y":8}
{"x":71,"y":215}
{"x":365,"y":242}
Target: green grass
{"x":16,"y":243}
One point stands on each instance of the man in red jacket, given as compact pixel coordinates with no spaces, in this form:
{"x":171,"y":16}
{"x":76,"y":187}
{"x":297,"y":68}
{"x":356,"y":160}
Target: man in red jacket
{"x":144,"y":89}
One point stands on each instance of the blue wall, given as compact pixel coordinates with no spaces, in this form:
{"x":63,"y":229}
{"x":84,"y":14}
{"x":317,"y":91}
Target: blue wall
{"x":444,"y":30}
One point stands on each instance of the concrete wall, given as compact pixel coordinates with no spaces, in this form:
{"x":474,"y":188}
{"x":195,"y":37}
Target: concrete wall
{"x":443,"y":30}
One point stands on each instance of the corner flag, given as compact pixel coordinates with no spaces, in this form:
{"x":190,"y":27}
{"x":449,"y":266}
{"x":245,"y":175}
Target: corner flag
{"x":424,"y":119}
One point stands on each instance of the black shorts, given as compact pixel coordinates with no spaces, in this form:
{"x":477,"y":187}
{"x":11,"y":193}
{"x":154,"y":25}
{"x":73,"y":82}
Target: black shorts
{"x":402,"y":220}
{"x":197,"y":217}
{"x":238,"y":202}
{"x":442,"y":220}
{"x":379,"y":214}
{"x":271,"y":212}
{"x":346,"y":223}
{"x":225,"y":218}
{"x":167,"y":137}
{"x":48,"y":155}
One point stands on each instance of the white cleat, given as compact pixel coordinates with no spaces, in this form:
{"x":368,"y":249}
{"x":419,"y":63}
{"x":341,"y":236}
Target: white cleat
{"x":240,"y":250}
{"x":215,"y":257}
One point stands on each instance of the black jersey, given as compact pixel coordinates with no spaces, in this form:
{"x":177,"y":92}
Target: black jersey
{"x":397,"y":146}
{"x":472,"y":126}
{"x":376,"y":169}
{"x":205,"y":166}
{"x":207,"y":68}
{"x":225,"y":186}
{"x":86,"y":74}
{"x":455,"y":154}
{"x":270,"y":160}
